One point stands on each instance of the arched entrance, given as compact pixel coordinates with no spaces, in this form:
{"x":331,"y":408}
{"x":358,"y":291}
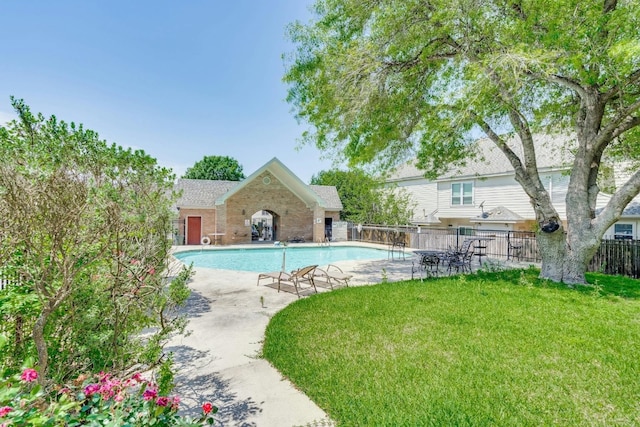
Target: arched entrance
{"x":264,"y":226}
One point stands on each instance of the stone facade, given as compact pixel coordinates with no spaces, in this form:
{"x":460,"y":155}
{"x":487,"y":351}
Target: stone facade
{"x":291,"y":215}
{"x":298,"y":210}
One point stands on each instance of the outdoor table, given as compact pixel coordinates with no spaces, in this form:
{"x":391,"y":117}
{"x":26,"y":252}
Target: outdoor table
{"x":481,"y":246}
{"x":427,"y":258}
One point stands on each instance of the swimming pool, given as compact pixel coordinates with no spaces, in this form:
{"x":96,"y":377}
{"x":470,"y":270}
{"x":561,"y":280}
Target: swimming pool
{"x":270,"y":259}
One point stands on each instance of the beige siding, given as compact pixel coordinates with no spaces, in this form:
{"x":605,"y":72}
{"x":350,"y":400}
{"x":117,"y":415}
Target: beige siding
{"x":423,"y":194}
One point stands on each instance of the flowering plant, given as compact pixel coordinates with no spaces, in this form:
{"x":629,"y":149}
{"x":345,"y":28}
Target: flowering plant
{"x":97,"y":400}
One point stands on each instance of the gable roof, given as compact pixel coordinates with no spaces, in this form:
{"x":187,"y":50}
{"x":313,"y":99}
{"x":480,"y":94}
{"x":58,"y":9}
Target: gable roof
{"x":631,"y":211}
{"x":204,"y":193}
{"x":552,"y":152}
{"x":498,"y":214}
{"x":286,"y":177}
{"x":201,"y":193}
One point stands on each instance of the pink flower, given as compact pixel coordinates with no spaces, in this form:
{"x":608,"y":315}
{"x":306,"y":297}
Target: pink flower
{"x":119,"y":397}
{"x":162,"y":401}
{"x":29,"y":375}
{"x":104,"y":376}
{"x":152,"y":271}
{"x":5,"y":410}
{"x":91,"y":389}
{"x":150,"y":394}
{"x":207,"y":407}
{"x":137,"y":377}
{"x":176,"y":403}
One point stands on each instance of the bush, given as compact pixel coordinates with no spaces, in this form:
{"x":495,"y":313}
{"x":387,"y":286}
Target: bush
{"x":97,"y":400}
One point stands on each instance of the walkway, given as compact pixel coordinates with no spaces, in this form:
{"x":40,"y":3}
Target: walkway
{"x":220,"y":361}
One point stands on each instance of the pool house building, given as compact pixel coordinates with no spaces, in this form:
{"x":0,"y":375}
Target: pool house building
{"x":272,"y":204}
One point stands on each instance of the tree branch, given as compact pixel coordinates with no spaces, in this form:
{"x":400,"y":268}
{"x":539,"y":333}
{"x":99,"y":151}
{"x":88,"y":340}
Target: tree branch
{"x":610,"y":5}
{"x":617,"y":203}
{"x":615,"y":91}
{"x":566,"y":82}
{"x":620,"y":124}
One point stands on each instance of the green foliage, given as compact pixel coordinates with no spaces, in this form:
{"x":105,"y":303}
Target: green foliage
{"x":500,"y":349}
{"x":365,"y":198}
{"x":216,"y":168}
{"x":382,"y":82}
{"x":380,"y":79}
{"x":84,"y":246}
{"x":91,"y":401}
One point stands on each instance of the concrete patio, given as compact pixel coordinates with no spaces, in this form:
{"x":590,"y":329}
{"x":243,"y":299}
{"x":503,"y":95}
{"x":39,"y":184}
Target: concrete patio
{"x":220,"y":360}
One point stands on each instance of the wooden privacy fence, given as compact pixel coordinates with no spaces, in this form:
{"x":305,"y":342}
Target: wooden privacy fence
{"x":618,"y":257}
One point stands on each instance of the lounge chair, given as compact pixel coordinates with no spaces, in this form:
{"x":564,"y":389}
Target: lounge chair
{"x":332,"y":274}
{"x":296,"y":278}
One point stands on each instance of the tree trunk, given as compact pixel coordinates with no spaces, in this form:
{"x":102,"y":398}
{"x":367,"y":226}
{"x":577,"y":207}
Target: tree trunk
{"x":41,"y":346}
{"x":552,"y":252}
{"x":565,"y":257}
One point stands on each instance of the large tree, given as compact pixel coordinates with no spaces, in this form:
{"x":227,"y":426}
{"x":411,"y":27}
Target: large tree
{"x":384,"y":80}
{"x":365,"y":198}
{"x":84,"y":246}
{"x":216,"y":168}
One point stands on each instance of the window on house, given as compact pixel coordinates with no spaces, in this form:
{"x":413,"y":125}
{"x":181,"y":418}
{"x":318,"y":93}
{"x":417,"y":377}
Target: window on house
{"x":623,"y":231}
{"x":462,"y":194}
{"x":465,"y":231}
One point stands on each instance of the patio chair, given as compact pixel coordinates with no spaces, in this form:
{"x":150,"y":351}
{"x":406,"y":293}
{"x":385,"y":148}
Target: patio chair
{"x":295,"y":278}
{"x":330,"y":275}
{"x":460,"y":260}
{"x":427,"y":262}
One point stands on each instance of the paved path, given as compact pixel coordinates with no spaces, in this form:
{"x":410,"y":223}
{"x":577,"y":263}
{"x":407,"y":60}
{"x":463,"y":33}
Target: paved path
{"x":220,"y":361}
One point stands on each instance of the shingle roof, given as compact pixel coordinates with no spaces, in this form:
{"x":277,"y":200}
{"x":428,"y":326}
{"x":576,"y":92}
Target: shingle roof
{"x":632,"y":209}
{"x":329,"y":194}
{"x":203,"y":193}
{"x":552,"y":151}
{"x":498,"y":214}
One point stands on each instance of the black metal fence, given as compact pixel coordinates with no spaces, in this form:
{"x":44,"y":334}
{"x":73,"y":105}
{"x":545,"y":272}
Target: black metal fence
{"x":620,"y":257}
{"x":516,"y":245}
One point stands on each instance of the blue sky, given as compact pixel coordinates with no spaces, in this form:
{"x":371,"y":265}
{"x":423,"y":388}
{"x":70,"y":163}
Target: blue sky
{"x":178,"y":79}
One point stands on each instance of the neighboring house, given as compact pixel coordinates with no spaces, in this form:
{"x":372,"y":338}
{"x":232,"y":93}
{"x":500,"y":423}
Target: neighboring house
{"x":484,"y":194}
{"x":225,"y":212}
{"x":628,"y":227}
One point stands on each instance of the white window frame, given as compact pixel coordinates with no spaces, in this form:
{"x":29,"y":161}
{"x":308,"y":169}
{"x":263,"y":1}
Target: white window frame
{"x":619,"y":233}
{"x":460,"y":197}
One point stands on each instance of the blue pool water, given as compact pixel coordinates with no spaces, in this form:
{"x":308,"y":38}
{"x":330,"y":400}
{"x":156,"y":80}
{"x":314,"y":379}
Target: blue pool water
{"x":270,"y":259}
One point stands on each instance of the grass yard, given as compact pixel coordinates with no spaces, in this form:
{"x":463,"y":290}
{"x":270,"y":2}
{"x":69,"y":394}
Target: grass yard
{"x":499,"y":349}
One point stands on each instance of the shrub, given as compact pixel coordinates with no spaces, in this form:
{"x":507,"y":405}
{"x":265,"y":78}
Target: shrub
{"x":96,"y":400}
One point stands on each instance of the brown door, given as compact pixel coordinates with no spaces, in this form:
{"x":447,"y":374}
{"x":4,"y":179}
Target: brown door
{"x":194,"y":230}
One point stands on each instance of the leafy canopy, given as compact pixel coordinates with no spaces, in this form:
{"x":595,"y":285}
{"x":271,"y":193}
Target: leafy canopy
{"x":386,"y":80}
{"x":365,"y":199}
{"x":382,"y":81}
{"x":216,"y":168}
{"x":84,"y":249}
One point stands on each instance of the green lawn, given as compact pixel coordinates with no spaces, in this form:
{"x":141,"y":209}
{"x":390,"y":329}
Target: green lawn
{"x":499,"y":349}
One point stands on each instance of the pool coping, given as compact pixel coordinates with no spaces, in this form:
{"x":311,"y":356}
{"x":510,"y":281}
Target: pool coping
{"x":220,"y":360}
